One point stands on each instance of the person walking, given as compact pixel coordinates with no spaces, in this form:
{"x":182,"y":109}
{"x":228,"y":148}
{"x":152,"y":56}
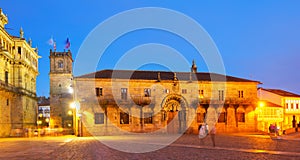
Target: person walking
{"x":212,"y":134}
{"x":203,"y":131}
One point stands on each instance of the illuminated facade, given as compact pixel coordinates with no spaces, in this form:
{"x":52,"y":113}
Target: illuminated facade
{"x":120,"y":101}
{"x":268,"y":113}
{"x":18,"y":72}
{"x":288,"y":104}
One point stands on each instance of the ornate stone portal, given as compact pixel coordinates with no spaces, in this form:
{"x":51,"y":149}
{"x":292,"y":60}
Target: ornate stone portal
{"x":174,"y":110}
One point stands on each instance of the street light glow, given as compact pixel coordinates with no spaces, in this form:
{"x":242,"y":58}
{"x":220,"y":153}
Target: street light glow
{"x":73,"y":105}
{"x":70,"y":112}
{"x":261,"y":104}
{"x":71,"y":90}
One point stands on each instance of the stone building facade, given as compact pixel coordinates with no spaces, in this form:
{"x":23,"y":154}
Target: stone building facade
{"x":112,"y":101}
{"x":121,"y":101}
{"x":18,"y":72}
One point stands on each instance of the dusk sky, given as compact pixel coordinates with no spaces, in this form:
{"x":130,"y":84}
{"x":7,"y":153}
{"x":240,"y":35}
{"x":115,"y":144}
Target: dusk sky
{"x":258,"y":40}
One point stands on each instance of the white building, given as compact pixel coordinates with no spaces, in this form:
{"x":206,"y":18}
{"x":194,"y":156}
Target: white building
{"x":289,"y":103}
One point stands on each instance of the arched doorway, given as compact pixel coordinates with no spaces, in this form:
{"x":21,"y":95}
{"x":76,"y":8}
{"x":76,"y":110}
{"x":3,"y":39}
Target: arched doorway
{"x":174,"y":109}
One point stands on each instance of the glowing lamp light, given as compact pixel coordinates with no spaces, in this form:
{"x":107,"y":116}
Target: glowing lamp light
{"x":70,"y":112}
{"x":71,"y":90}
{"x":73,"y":105}
{"x":39,"y":122}
{"x":261,"y":104}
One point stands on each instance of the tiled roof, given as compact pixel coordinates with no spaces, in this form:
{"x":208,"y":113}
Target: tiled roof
{"x":164,"y":75}
{"x":282,"y":92}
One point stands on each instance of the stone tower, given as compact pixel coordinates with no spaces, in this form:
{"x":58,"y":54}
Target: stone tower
{"x":61,"y":89}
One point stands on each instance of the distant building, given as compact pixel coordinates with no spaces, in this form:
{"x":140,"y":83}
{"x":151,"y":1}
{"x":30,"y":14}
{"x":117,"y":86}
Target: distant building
{"x":269,"y":113}
{"x":286,"y":104}
{"x":18,"y":72}
{"x":110,"y":101}
{"x":43,"y":118}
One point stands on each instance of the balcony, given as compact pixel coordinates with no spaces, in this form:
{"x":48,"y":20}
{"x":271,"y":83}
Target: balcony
{"x":5,"y":53}
{"x":106,"y":100}
{"x":4,"y":86}
{"x":132,"y":100}
{"x":7,"y":87}
{"x":242,"y":101}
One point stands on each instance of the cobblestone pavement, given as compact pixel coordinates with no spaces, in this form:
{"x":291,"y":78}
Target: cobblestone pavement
{"x":250,"y":146}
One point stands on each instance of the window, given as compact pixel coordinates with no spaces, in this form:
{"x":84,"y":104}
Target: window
{"x":297,"y":106}
{"x":221,"y":95}
{"x":19,"y":50}
{"x":99,"y":118}
{"x":99,"y":92}
{"x":292,"y":106}
{"x":47,"y":111}
{"x":222,"y":117}
{"x":60,"y":64}
{"x":147,"y":118}
{"x":201,"y":93}
{"x":147,"y":92}
{"x":200,"y":117}
{"x":241,"y":117}
{"x":7,"y":102}
{"x":167,"y":91}
{"x":287,"y":106}
{"x":124,"y":93}
{"x":124,"y":118}
{"x":241,"y":94}
{"x":40,"y":111}
{"x":6,"y":77}
{"x":184,"y":91}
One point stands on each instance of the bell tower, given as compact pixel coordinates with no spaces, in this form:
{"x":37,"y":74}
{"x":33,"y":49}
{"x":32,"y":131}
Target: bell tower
{"x":61,"y":89}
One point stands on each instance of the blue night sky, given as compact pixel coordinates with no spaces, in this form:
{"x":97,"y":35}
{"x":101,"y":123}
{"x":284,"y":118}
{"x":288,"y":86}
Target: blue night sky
{"x":257,"y":40}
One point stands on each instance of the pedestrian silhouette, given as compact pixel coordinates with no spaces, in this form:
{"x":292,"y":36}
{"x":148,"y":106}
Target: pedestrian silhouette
{"x":212,"y":135}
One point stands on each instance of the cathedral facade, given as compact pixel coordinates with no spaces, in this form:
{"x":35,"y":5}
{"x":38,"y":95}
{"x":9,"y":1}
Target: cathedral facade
{"x":111,"y":102}
{"x":18,"y":72}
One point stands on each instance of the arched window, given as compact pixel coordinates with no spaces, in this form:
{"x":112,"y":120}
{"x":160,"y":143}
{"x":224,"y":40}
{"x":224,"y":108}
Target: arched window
{"x":60,"y":64}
